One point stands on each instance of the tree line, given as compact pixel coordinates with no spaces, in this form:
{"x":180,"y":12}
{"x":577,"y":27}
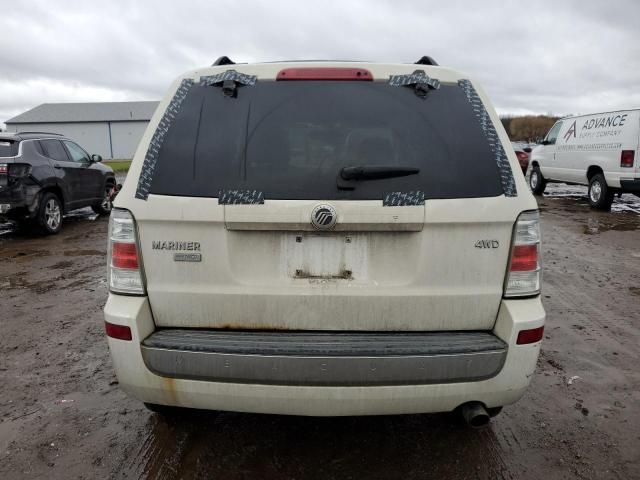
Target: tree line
{"x":527,"y":128}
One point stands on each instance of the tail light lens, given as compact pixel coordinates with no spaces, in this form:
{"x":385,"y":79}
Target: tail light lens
{"x":125,"y":271}
{"x":523,"y":279}
{"x":19,"y":170}
{"x":15,"y":170}
{"x":626,"y":158}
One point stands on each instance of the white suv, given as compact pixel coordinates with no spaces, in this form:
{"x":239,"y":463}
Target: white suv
{"x":325,"y":238}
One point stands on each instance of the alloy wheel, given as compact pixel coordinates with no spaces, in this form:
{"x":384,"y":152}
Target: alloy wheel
{"x":52,"y":214}
{"x":595,"y":192}
{"x":106,"y":201}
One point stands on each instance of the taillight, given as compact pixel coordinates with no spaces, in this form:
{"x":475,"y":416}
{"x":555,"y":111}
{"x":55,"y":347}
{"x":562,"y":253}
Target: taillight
{"x":626,"y":158}
{"x":315,"y":73}
{"x":125,"y":273}
{"x":124,"y":255}
{"x":15,"y":170}
{"x":524,"y":258}
{"x":523,"y":278}
{"x":19,"y":170}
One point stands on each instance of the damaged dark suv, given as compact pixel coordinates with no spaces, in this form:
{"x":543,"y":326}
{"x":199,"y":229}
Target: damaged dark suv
{"x":44,"y":175}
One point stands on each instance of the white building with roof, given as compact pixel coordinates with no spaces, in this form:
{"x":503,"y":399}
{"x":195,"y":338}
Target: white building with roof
{"x":110,"y":129}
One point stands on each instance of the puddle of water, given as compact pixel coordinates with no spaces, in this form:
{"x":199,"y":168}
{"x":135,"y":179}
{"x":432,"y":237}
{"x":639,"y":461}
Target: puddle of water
{"x":18,"y":281}
{"x":8,"y":228}
{"x":27,"y":255}
{"x":626,"y":223}
{"x":622,"y":206}
{"x":82,"y":214}
{"x":555,"y":190}
{"x":77,"y":253}
{"x":229,"y":445}
{"x":61,"y":265}
{"x":15,"y":281}
{"x":626,"y":204}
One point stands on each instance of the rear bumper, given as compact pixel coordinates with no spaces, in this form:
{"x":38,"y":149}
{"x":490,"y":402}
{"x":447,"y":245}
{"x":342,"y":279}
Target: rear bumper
{"x":15,"y":201}
{"x":13,"y":211}
{"x":630,"y":186}
{"x":301,"y":396}
{"x":324,"y":358}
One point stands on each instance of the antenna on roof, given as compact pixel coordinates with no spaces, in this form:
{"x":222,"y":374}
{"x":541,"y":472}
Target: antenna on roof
{"x":223,"y":61}
{"x":426,"y":60}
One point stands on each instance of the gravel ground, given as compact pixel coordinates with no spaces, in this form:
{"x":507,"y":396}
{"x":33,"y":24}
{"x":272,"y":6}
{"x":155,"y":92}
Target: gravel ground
{"x":62,"y":414}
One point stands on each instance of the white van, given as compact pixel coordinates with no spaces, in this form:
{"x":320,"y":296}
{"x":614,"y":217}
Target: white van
{"x":325,"y":238}
{"x":599,"y":150}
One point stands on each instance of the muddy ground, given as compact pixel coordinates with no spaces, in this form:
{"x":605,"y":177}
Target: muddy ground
{"x":62,"y":414}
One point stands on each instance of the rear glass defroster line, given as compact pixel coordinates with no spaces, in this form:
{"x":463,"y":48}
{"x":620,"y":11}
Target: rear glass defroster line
{"x":504,"y":167}
{"x":151,"y":157}
{"x":403,"y":199}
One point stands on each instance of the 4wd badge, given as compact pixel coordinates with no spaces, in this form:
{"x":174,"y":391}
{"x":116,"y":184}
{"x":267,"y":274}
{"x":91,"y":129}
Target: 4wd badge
{"x":487,"y":244}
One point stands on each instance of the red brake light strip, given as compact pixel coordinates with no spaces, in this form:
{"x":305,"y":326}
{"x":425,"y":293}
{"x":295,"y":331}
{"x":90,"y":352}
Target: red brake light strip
{"x":314,"y":73}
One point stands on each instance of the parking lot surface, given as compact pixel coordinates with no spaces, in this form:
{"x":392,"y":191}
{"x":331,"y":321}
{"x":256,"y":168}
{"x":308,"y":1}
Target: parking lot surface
{"x":62,"y":414}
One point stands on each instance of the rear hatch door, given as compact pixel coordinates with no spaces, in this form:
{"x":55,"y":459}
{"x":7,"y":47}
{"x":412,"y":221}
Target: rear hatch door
{"x":232,"y":231}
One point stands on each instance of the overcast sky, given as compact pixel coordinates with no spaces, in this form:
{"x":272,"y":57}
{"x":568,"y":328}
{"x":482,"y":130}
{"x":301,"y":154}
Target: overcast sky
{"x":531,"y":57}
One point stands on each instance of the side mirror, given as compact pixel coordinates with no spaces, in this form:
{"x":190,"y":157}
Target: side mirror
{"x":527,"y":149}
{"x":544,"y":142}
{"x":96,"y":158}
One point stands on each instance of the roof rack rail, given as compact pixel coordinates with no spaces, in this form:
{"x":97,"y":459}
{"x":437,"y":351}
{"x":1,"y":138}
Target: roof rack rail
{"x":39,"y":133}
{"x":223,"y":60}
{"x":426,"y":60}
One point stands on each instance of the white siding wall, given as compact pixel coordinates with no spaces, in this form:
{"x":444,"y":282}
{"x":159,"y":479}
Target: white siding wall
{"x":94,"y":136}
{"x":125,"y":137}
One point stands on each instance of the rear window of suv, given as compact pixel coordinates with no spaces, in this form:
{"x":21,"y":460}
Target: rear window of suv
{"x":8,"y":148}
{"x":290,"y":140}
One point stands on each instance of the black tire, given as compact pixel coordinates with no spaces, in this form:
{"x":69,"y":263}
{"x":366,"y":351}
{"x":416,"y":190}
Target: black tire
{"x":48,"y":219}
{"x":537,"y":182}
{"x":600,"y":194}
{"x":105,"y":206}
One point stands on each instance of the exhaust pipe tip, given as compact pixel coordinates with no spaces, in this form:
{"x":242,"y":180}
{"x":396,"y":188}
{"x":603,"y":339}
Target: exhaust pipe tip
{"x":475,"y":415}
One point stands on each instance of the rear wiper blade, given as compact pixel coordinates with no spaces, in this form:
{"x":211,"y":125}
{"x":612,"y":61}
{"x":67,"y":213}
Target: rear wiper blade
{"x":371,"y":172}
{"x":348,"y":175}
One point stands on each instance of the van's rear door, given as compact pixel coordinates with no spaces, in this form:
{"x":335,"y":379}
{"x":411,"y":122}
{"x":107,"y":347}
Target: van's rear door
{"x":239,"y":181}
